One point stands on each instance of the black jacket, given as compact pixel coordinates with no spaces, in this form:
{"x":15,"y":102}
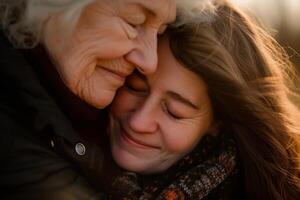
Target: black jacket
{"x":29,"y":119}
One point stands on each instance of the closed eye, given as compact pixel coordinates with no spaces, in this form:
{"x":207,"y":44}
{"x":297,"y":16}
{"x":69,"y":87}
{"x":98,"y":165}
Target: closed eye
{"x":130,"y":30}
{"x":134,"y":89}
{"x":136,"y":85}
{"x":170,"y":113}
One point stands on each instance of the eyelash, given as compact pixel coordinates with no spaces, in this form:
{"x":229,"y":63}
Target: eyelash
{"x":170,"y":114}
{"x":143,"y":93}
{"x":132,"y":25}
{"x":135,"y":91}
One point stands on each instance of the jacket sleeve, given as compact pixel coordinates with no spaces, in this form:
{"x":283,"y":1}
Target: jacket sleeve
{"x":31,"y":169}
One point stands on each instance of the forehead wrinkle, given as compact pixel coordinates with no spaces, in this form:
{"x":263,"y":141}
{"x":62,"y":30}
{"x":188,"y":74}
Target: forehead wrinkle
{"x":171,"y":14}
{"x":154,"y":9}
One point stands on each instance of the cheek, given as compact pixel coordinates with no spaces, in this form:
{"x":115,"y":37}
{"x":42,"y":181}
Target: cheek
{"x":75,"y":65}
{"x":106,"y":39}
{"x":181,"y":139}
{"x":123,"y":102}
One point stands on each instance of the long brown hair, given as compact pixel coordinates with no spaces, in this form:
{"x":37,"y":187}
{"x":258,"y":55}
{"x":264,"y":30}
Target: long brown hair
{"x":246,"y":72}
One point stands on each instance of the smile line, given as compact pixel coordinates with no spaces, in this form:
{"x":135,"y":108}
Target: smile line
{"x":132,"y":140}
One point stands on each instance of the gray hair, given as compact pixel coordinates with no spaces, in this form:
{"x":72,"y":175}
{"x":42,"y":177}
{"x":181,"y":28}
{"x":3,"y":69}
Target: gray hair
{"x":195,"y":11}
{"x":22,"y":20}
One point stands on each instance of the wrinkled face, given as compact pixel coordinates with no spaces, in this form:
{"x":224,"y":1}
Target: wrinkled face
{"x":110,"y":40}
{"x":157,"y":119}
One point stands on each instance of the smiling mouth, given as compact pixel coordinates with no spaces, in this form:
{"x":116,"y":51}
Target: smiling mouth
{"x":129,"y":139}
{"x":119,"y":75}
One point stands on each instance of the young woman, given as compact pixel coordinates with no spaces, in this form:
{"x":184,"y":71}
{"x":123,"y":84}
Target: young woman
{"x":215,"y":120}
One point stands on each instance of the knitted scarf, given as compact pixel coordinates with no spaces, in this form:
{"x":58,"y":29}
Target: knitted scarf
{"x":196,"y":176}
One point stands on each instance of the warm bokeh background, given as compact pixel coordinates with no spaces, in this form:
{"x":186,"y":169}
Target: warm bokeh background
{"x":282,"y":17}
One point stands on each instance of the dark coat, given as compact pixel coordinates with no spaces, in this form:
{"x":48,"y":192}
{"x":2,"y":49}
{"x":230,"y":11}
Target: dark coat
{"x":29,"y":119}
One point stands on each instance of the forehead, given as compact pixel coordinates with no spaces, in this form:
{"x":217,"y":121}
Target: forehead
{"x":172,"y":75}
{"x":163,"y":9}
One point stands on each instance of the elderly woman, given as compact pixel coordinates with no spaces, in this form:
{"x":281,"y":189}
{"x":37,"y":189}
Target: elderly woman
{"x":77,"y":51}
{"x":215,"y":120}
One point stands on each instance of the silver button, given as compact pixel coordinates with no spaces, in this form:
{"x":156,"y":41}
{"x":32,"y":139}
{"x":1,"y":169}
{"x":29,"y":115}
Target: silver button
{"x":52,"y":143}
{"x":80,"y":149}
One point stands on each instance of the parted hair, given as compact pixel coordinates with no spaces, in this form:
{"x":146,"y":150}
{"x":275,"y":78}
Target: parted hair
{"x":248,"y":76}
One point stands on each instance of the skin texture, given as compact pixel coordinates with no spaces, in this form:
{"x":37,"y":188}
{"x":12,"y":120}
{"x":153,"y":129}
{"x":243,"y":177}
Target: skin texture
{"x":110,"y":40}
{"x":151,"y":126}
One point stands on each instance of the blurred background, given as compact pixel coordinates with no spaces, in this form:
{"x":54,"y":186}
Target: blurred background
{"x":282,"y":18}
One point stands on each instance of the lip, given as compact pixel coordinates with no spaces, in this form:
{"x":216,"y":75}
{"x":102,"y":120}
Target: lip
{"x":133,"y":141}
{"x":117,"y":74}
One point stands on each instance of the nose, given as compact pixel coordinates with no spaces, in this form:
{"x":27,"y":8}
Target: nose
{"x":143,"y":120}
{"x":144,"y":53}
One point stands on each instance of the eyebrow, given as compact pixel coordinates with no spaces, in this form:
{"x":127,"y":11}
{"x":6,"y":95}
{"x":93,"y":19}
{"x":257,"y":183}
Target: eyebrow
{"x":182,"y":99}
{"x":170,"y":93}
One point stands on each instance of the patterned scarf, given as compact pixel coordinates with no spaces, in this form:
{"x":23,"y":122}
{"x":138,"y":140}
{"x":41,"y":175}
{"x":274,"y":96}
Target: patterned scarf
{"x":196,"y":176}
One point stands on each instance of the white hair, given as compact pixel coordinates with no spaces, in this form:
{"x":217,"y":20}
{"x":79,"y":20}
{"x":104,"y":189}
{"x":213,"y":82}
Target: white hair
{"x":191,"y":11}
{"x":22,"y":20}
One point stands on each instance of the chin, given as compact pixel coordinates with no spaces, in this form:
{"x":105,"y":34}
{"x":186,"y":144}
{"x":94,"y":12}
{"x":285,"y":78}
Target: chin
{"x":134,"y":168}
{"x":102,"y":102}
{"x":129,"y":162}
{"x":133,"y":164}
